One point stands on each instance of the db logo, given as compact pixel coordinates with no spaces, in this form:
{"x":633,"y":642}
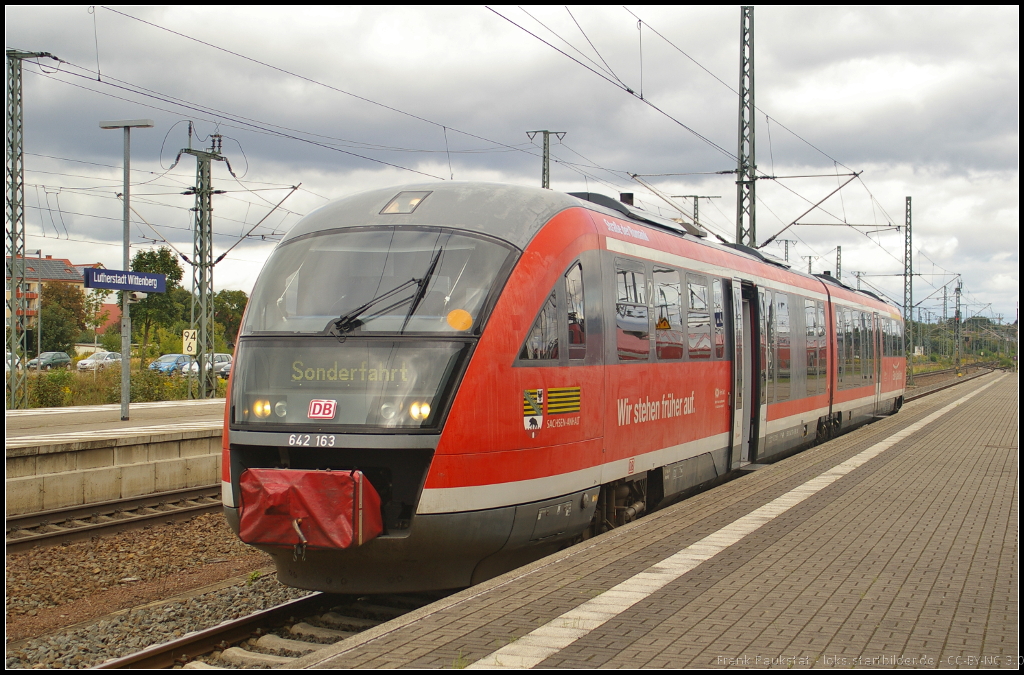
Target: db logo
{"x":322,"y":410}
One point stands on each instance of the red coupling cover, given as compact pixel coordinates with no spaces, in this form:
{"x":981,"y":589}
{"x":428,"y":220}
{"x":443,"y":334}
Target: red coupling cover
{"x":319,"y":509}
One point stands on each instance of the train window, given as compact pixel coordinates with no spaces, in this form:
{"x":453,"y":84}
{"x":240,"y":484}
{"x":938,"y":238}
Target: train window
{"x":542,"y":343}
{"x":698,"y":318}
{"x":811,"y":346}
{"x":405,"y":202}
{"x":768,"y":351}
{"x":783,"y":359}
{"x":577,"y":319}
{"x":822,"y":350}
{"x":868,"y":331}
{"x":632,"y":326}
{"x":855,"y":346}
{"x":668,"y":327}
{"x":716,"y":286}
{"x":367,"y":280}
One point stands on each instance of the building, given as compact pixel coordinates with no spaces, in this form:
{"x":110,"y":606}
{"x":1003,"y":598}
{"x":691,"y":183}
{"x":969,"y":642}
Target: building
{"x":39,"y":271}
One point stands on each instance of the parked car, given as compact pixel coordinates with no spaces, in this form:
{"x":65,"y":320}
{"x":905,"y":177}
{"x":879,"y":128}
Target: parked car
{"x":219,"y":361}
{"x":50,"y":360}
{"x":169,"y":364}
{"x":225,"y":371}
{"x":7,"y":362}
{"x":100,"y":360}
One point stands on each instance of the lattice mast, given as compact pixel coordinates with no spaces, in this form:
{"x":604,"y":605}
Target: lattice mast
{"x":17,"y":305}
{"x":908,"y":295}
{"x":746,"y":231}
{"x":205,"y":384}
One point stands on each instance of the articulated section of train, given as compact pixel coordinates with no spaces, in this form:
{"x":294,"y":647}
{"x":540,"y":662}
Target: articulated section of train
{"x":437,"y":383}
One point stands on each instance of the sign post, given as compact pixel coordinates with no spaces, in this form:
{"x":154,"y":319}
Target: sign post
{"x":135,"y":286}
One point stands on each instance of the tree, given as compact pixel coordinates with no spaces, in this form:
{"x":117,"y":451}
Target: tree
{"x":157,"y":309}
{"x":95,"y":315}
{"x":63,"y":315}
{"x":228,"y":308}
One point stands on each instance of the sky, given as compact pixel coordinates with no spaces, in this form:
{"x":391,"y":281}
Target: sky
{"x":922,"y":101}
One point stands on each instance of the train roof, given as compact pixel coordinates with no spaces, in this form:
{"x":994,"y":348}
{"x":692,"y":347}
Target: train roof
{"x":509,"y":212}
{"x":513,"y":213}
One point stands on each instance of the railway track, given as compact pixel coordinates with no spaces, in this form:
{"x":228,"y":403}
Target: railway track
{"x":59,"y":526}
{"x":277,"y":636}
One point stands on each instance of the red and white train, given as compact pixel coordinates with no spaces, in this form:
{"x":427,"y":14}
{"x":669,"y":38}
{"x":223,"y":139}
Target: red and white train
{"x":436,"y":383}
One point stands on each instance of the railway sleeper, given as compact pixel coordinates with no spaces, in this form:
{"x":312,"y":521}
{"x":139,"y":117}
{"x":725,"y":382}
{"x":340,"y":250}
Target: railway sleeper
{"x":311,"y":632}
{"x":237,"y":656}
{"x":276,"y":644}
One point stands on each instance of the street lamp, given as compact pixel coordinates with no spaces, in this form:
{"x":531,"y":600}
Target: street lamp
{"x":126,"y":322}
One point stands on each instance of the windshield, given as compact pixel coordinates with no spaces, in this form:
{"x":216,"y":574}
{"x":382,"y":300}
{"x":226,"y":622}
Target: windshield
{"x":167,"y":358}
{"x":435,"y":280}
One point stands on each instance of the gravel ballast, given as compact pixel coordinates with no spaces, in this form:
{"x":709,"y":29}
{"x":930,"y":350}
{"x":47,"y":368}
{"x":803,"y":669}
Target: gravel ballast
{"x":137,"y":629}
{"x":51,"y":589}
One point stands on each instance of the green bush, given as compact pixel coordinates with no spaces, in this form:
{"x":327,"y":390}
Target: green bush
{"x":53,"y":389}
{"x":149,"y":385}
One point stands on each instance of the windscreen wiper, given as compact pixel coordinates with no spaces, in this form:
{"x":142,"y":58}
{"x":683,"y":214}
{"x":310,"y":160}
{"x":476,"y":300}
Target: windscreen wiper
{"x":348,"y":322}
{"x":424,"y":282}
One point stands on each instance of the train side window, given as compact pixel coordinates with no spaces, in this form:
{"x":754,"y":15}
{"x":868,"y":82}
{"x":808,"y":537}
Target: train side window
{"x":822,"y":350}
{"x":542,"y":342}
{"x":716,"y":286}
{"x":668,"y":327}
{"x":575,"y":307}
{"x":811,"y":346}
{"x":852,"y":349}
{"x":698,"y":318}
{"x":631,"y":316}
{"x":783,"y":359}
{"x":840,"y":356}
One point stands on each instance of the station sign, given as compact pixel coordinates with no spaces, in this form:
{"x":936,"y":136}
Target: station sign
{"x":120,"y":280}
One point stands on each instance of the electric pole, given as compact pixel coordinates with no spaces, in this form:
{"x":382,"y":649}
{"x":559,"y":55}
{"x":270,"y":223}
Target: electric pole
{"x":746,"y":168}
{"x":202,"y":266}
{"x":809,"y":259}
{"x":957,"y":332}
{"x":17,"y":305}
{"x":545,"y":174}
{"x":786,"y":243}
{"x":696,"y":199}
{"x":858,"y":275}
{"x":839,"y":262}
{"x":908,"y":296}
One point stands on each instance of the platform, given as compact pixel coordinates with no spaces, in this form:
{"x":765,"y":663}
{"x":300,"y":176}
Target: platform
{"x":893,"y":545}
{"x":77,"y":456}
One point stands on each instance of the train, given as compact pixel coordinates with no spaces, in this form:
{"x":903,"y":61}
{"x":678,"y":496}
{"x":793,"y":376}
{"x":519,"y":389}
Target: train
{"x":439,"y":382}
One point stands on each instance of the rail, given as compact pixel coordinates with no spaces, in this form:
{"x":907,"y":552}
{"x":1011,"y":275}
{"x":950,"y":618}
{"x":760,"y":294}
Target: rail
{"x":57,"y":526}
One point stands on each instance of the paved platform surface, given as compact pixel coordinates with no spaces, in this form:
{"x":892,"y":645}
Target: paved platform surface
{"x":61,"y":425}
{"x":896,"y":544}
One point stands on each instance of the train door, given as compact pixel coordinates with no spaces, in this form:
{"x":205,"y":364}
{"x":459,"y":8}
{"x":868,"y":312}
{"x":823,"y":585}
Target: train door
{"x":764,"y":358}
{"x":742,"y":360}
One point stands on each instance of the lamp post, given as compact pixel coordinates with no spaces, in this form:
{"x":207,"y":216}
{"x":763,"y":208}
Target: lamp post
{"x":126,"y":322}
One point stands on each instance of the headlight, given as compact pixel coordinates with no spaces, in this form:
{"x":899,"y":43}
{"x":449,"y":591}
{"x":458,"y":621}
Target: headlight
{"x":389,"y":410}
{"x":281,"y":408}
{"x":419,"y":411}
{"x":261,"y":408}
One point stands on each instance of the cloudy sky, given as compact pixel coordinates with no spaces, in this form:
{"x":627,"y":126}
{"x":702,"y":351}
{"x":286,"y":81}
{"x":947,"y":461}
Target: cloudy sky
{"x":923,"y":101}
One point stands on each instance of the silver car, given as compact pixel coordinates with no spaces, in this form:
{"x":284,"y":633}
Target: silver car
{"x":219,"y":361}
{"x":100,"y":360}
